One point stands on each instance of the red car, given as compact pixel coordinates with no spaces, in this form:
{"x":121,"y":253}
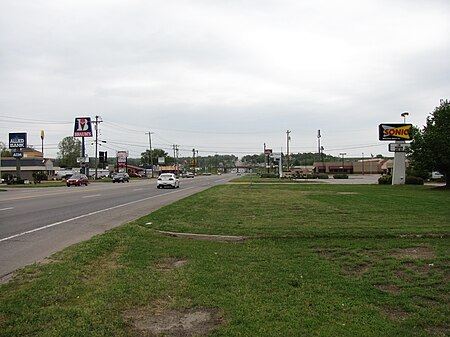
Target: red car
{"x":77,"y":180}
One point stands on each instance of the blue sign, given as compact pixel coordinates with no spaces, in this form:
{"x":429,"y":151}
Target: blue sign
{"x":17,"y":154}
{"x":83,"y":127}
{"x":18,"y":140}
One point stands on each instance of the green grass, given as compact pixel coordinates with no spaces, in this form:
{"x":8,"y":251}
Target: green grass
{"x":321,"y":260}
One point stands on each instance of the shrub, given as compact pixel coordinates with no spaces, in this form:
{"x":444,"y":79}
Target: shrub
{"x":16,"y":181}
{"x":411,"y":180}
{"x":322,"y":176}
{"x":385,"y":180}
{"x":269,"y":175}
{"x":340,"y":176}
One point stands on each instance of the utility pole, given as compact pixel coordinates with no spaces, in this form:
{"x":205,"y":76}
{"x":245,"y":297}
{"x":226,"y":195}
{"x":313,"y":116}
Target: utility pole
{"x":175,"y":156}
{"x":288,"y":138}
{"x":97,"y":121}
{"x":150,"y":146}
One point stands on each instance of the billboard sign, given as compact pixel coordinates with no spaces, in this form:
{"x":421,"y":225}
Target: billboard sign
{"x":398,"y":147}
{"x":394,"y":131}
{"x":276,"y":155}
{"x":82,"y":127}
{"x":122,"y":157}
{"x":18,"y":140}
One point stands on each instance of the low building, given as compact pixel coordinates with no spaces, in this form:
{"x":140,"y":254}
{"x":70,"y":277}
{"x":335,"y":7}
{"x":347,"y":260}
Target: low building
{"x":369,"y":166}
{"x":31,"y":165}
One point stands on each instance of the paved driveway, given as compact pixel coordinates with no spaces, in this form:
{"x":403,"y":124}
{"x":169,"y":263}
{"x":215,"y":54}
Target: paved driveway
{"x":354,"y":179}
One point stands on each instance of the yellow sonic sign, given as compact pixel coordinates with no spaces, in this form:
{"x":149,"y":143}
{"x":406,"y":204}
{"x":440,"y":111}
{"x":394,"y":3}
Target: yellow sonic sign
{"x":394,"y":131}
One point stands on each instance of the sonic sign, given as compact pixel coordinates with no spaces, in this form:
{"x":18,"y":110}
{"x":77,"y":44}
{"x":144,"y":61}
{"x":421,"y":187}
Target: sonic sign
{"x":394,"y":131}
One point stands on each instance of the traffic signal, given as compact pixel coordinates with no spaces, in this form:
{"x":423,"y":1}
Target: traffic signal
{"x":101,"y":156}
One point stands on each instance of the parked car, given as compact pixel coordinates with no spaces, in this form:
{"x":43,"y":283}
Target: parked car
{"x":167,"y":179}
{"x":135,"y":175}
{"x":121,"y":178}
{"x":188,"y":175}
{"x":77,"y":179}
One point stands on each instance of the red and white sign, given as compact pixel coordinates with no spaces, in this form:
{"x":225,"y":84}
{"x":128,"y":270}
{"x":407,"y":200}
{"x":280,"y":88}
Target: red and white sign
{"x":82,"y":127}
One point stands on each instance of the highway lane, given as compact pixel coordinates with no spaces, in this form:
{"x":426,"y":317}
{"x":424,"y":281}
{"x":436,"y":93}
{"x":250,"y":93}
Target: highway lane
{"x":36,"y":222}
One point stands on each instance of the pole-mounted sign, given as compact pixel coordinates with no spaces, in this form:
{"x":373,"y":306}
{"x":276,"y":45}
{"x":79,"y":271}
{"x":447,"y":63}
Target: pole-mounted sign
{"x":394,"y":131}
{"x":399,"y":147}
{"x":18,"y":140}
{"x":82,"y":127}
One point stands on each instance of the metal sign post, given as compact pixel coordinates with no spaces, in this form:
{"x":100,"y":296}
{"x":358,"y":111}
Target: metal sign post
{"x":82,"y":128}
{"x":400,"y":133}
{"x":17,"y":141}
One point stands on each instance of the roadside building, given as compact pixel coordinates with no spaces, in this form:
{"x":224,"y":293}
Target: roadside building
{"x":366,"y":166}
{"x":32,"y":165}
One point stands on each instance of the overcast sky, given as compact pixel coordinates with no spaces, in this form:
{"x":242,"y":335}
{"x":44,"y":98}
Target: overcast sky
{"x":221,"y":76}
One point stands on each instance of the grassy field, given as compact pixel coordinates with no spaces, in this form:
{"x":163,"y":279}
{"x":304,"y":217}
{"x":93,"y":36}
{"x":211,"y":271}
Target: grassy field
{"x":317,"y":260}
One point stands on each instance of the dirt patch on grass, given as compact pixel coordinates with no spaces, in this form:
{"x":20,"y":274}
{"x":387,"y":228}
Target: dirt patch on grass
{"x":395,"y":314}
{"x":443,"y":331}
{"x":426,"y":301}
{"x":170,"y":263}
{"x":348,"y":193}
{"x":357,"y":270}
{"x":174,"y":323}
{"x":421,"y":253}
{"x":389,"y":288}
{"x":208,"y":237}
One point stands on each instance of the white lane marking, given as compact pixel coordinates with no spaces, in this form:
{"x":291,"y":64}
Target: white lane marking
{"x":86,"y":215}
{"x":92,"y":196}
{"x":6,"y":209}
{"x":138,"y":189}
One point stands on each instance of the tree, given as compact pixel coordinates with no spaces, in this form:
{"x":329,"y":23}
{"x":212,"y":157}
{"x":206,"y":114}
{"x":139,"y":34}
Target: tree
{"x":5,"y":152}
{"x":69,"y":151}
{"x":430,"y":148}
{"x":156,"y":153}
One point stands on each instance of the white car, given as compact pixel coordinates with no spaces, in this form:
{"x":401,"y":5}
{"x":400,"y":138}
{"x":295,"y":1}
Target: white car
{"x":167,"y":179}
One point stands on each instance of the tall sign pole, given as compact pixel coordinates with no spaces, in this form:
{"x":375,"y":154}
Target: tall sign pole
{"x":83,"y":128}
{"x":18,"y":141}
{"x":399,"y":169}
{"x":400,"y":133}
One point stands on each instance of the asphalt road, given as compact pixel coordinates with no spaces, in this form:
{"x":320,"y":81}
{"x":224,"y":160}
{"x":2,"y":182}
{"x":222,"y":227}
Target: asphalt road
{"x":37,"y":222}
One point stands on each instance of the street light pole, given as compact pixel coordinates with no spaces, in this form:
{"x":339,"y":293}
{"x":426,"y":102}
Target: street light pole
{"x":362,"y":162}
{"x":342,"y":154}
{"x":404,"y":114}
